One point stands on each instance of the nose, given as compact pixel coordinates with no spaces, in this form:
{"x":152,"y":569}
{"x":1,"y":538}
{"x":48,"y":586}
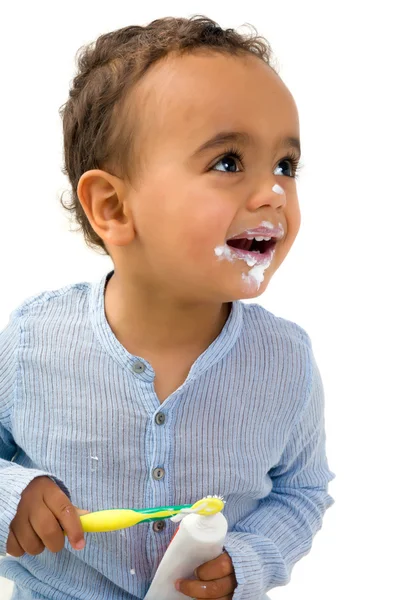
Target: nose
{"x":269,"y":195}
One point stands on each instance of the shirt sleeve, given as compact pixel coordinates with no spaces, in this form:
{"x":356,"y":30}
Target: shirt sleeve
{"x":13,"y":477}
{"x":266,"y":544}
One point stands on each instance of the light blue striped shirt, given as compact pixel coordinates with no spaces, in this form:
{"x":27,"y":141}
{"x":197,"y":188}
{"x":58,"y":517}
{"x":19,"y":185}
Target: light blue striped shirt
{"x":248,"y":423}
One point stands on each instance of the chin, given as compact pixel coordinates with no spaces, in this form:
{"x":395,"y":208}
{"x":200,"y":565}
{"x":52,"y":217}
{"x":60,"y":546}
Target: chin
{"x":246,"y":292}
{"x":253,"y":292}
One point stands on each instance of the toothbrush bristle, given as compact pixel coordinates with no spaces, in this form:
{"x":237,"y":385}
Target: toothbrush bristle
{"x":202,"y":507}
{"x":218,"y":497}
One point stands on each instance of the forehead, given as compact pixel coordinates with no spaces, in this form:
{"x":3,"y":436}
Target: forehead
{"x":193,"y":96}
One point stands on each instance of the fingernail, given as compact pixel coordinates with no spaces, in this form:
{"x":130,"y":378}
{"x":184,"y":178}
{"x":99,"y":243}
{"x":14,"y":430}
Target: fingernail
{"x":80,"y":545}
{"x":177,"y":585}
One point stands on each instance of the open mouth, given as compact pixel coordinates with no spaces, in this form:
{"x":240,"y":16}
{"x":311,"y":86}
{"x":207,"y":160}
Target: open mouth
{"x":253,"y":245}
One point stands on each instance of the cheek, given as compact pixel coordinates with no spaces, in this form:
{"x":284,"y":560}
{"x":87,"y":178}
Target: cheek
{"x":207,"y":226}
{"x":294,"y":220}
{"x":176,"y":212}
{"x":202,"y":215}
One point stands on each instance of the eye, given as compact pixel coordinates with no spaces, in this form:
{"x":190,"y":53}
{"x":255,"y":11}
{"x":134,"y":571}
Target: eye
{"x":293,"y":163}
{"x":232,"y":160}
{"x":229,"y":162}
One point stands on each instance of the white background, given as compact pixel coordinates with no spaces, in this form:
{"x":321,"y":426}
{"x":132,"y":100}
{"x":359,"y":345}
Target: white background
{"x":341,"y":62}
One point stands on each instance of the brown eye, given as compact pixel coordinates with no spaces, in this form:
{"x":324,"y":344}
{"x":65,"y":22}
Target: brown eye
{"x":292,"y":164}
{"x":229,"y":164}
{"x":285,"y":168}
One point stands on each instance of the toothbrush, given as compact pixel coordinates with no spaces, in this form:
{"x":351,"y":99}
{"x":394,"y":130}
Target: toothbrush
{"x":119,"y":518}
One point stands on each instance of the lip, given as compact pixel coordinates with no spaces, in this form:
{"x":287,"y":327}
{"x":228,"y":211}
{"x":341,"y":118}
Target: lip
{"x":266,"y":229}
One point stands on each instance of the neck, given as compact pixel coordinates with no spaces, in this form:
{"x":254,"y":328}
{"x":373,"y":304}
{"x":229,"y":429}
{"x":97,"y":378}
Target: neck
{"x":153,"y":323}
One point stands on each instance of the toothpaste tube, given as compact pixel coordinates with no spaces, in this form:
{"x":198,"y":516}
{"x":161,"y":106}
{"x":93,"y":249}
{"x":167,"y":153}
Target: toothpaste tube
{"x":198,"y":540}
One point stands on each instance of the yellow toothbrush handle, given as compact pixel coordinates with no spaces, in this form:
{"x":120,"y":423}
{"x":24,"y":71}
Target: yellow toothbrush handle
{"x":120,"y":518}
{"x":110,"y":520}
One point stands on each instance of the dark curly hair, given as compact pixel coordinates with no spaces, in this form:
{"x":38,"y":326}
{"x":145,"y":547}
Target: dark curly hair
{"x":94,"y":131}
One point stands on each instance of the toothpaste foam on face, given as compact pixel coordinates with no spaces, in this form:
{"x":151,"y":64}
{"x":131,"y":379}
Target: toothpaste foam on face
{"x":256,"y":274}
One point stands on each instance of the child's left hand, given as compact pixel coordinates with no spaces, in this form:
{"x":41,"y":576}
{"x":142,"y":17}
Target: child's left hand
{"x":215,"y":579}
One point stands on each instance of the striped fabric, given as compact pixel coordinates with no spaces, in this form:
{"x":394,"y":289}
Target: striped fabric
{"x":248,"y":423}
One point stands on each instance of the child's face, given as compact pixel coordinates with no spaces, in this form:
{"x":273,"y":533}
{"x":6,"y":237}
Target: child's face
{"x":188,"y":202}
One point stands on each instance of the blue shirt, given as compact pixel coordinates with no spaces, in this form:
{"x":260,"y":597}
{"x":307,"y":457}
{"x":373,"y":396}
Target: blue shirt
{"x":248,"y":424}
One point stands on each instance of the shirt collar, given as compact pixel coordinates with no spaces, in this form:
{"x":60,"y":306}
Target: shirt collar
{"x":217,"y":350}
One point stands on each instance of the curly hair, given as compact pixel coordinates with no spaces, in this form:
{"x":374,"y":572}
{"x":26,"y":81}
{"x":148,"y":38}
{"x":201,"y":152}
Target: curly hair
{"x":95,"y":135}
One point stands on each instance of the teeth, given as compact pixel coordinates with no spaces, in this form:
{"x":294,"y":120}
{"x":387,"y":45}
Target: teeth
{"x":258,"y":238}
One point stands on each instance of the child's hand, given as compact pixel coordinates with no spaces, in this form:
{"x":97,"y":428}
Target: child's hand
{"x":43,"y":514}
{"x":216,"y":579}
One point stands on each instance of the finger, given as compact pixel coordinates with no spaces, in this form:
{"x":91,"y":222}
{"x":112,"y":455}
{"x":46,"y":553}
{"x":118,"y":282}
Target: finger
{"x":13,"y":546}
{"x":216,"y":568}
{"x":48,"y":529}
{"x":67,"y":515}
{"x":217,"y":589}
{"x":82,"y":512}
{"x":27,"y":537}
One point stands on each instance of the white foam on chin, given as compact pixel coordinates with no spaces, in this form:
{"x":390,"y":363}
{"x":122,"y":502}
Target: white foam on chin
{"x":256,"y":274}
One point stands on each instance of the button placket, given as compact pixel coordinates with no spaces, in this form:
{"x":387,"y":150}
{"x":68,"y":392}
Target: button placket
{"x":158,"y":472}
{"x":158,"y":526}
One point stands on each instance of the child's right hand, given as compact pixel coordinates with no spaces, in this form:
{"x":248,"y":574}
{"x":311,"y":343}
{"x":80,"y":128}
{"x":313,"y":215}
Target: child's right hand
{"x":44,"y":514}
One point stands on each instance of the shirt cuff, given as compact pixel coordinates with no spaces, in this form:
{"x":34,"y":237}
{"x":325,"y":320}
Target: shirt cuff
{"x":247,"y":569}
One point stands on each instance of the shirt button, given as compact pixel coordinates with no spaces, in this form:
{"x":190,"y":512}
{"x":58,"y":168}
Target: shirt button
{"x":160,"y":418}
{"x":158,"y":525}
{"x":138,"y":367}
{"x":158,"y":473}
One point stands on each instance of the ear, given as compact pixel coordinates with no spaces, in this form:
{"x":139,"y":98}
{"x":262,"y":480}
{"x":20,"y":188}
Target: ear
{"x":102,"y":197}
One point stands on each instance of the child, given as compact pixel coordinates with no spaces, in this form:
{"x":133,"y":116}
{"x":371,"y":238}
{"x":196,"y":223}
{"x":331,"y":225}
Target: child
{"x":157,"y":385}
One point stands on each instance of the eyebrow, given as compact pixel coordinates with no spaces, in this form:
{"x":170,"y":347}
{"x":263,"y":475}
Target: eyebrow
{"x":243,"y":138}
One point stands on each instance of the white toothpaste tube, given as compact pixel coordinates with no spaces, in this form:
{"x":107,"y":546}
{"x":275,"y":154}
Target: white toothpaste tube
{"x":198,"y":540}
